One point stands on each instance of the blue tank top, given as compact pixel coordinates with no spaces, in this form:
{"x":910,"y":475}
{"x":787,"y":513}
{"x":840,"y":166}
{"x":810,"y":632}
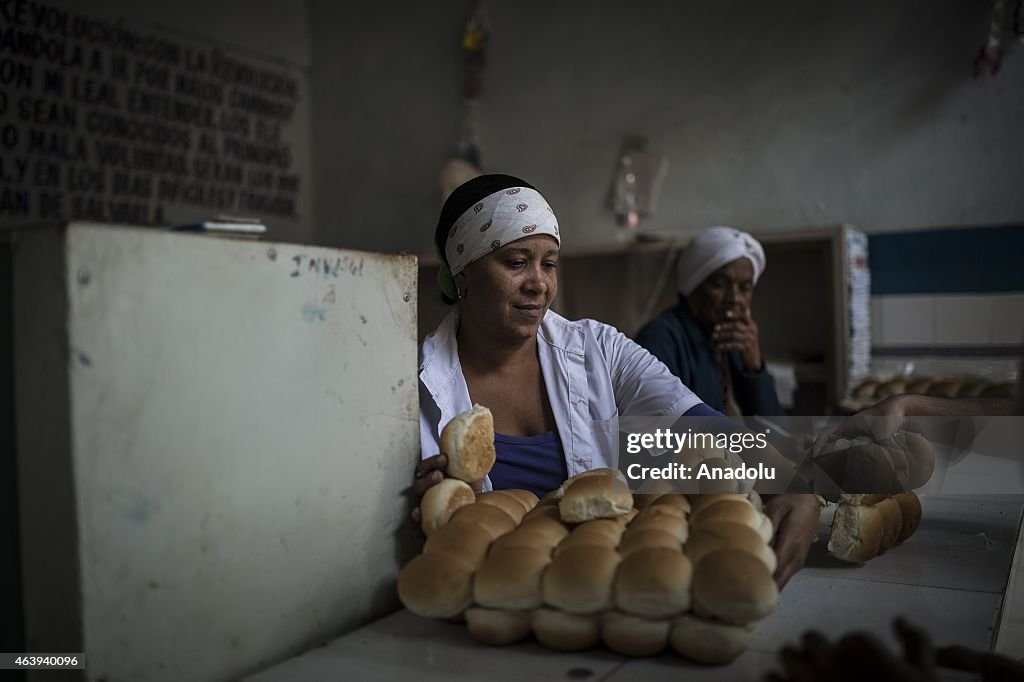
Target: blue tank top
{"x":534,"y":463}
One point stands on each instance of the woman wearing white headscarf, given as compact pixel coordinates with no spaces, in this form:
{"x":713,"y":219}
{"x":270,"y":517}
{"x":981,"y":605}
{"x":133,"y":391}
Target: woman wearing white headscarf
{"x":556,"y":388}
{"x":709,"y":339}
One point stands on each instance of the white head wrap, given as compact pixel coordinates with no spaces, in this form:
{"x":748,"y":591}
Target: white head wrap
{"x":495,"y":220}
{"x":713,"y":248}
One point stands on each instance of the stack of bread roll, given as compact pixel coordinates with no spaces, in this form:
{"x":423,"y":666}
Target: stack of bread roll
{"x":865,"y":526}
{"x":871,"y":390}
{"x":591,"y":563}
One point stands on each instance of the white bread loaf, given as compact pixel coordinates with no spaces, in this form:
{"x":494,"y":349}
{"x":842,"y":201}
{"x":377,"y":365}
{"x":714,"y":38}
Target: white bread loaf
{"x":436,"y":585}
{"x":490,"y":518}
{"x":595,"y":497}
{"x":653,"y":583}
{"x":468,"y":441}
{"x":579,"y":580}
{"x":856,"y":532}
{"x":707,"y":641}
{"x":468,"y":541}
{"x":733,"y":586}
{"x":563,"y":631}
{"x":633,"y":636}
{"x":441,"y":501}
{"x":496,"y":626}
{"x":511,"y":579}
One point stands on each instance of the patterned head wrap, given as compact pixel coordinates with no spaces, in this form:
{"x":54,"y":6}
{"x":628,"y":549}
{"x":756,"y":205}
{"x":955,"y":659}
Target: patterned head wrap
{"x":484,"y":214}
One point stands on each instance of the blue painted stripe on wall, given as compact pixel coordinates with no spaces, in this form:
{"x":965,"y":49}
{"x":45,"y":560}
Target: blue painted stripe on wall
{"x":960,"y":260}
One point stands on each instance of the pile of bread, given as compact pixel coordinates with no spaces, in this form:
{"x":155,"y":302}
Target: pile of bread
{"x":871,"y":390}
{"x":865,"y":526}
{"x":593,"y":563}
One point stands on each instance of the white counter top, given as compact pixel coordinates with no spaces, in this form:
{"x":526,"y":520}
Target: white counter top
{"x":949,"y":577}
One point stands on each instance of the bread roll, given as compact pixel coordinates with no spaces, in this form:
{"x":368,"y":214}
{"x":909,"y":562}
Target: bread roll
{"x":497,"y":627}
{"x":436,"y":585}
{"x":468,"y":541}
{"x":524,"y":539}
{"x":579,"y":580}
{"x":861,"y":466}
{"x":856,"y":532}
{"x":606,"y":472}
{"x":468,"y":441}
{"x":591,"y":539}
{"x":504,"y":502}
{"x":920,"y":457}
{"x":610,"y":528}
{"x":733,"y":586}
{"x":890,"y":388}
{"x":595,"y":497}
{"x":866,"y":389}
{"x":441,"y":501}
{"x":719,"y":485}
{"x":549,"y":511}
{"x":707,"y":641}
{"x":664,"y":510}
{"x":656,"y":487}
{"x":676,"y":500}
{"x":632,"y":636}
{"x":948,"y":388}
{"x":910,"y":512}
{"x":755,"y":501}
{"x":551,"y":497}
{"x":552,"y":530}
{"x":697,"y":502}
{"x":737,"y":511}
{"x":565,"y":631}
{"x":653,"y":583}
{"x":511,"y":579}
{"x":527,"y":498}
{"x":892,"y":523}
{"x":672,"y":525}
{"x":714,"y":536}
{"x":919,"y":386}
{"x":490,"y":518}
{"x":648,"y":538}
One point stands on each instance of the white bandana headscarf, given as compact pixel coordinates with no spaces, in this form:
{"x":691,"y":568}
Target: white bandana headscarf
{"x":496,"y":220}
{"x":713,"y":248}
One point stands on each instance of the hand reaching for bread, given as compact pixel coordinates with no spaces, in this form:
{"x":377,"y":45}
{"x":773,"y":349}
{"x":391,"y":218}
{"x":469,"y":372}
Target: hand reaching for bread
{"x":468,"y":454}
{"x":795,"y":518}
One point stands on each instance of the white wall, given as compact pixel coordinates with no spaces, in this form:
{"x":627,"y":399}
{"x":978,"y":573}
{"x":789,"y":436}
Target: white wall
{"x":775,"y":115}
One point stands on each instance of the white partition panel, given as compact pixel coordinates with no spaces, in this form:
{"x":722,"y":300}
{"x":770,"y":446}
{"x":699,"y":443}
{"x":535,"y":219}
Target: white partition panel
{"x":240,"y":422}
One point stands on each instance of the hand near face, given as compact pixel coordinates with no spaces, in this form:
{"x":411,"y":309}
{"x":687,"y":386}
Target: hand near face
{"x":739,"y":333}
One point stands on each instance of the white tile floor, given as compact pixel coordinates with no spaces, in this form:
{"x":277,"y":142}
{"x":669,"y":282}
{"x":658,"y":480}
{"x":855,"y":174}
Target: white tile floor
{"x":949,"y":577}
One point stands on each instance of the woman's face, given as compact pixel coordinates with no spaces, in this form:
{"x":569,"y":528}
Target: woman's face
{"x":509,"y":290}
{"x":725,"y":294}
